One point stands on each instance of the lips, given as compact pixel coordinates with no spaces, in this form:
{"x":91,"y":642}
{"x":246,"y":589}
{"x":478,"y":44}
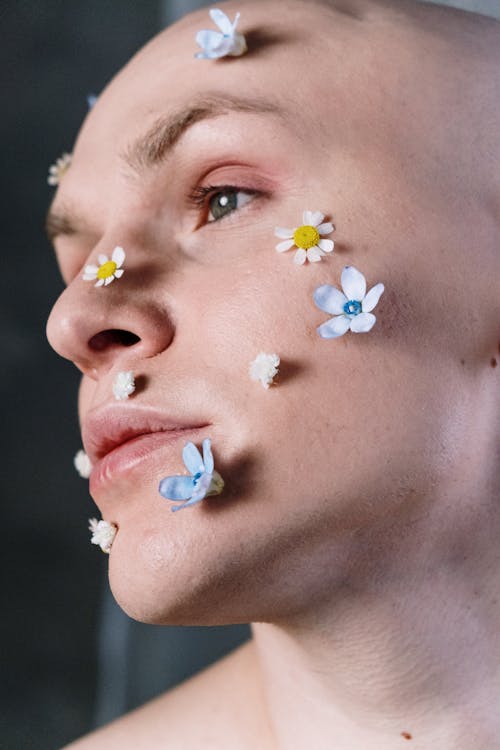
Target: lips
{"x":118,"y":437}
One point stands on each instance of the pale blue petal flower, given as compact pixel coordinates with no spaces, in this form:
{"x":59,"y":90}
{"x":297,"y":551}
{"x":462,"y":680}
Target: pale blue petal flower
{"x":203,"y":481}
{"x":352,"y":309}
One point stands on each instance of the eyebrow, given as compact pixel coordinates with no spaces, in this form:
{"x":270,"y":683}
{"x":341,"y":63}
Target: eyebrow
{"x":152,"y":147}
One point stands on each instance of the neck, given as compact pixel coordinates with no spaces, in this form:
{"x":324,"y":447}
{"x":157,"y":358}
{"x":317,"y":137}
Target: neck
{"x":407,"y":646}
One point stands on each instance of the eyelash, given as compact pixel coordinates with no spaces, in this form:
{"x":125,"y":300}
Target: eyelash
{"x":201,"y":195}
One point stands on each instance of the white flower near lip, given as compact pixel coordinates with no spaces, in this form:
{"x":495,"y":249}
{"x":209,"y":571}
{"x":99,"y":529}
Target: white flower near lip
{"x":352,"y":307}
{"x":226,"y":42}
{"x":107,"y":270}
{"x":103,"y":534}
{"x":82,"y":464}
{"x":124,"y":385}
{"x":59,"y":169}
{"x":307,"y":238}
{"x":264,"y":368}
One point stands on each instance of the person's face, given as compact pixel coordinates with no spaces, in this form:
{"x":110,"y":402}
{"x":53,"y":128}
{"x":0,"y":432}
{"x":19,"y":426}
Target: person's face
{"x":356,"y":427}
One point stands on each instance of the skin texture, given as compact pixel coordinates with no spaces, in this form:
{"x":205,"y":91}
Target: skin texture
{"x":359,"y":523}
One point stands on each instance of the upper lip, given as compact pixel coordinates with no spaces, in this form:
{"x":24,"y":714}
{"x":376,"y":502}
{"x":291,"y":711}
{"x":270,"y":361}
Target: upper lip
{"x":109,"y":427}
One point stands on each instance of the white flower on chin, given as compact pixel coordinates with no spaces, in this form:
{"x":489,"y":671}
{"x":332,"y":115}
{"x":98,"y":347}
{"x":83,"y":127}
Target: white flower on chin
{"x":264,"y":368}
{"x":82,"y":464}
{"x":107,"y":270}
{"x":59,"y":169}
{"x":103,"y":533}
{"x":307,"y":238}
{"x":124,"y":385}
{"x":352,"y":307}
{"x":226,"y":42}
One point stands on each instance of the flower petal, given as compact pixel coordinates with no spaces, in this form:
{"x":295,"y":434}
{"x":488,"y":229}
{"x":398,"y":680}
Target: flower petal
{"x":208,"y":459}
{"x":283,"y":232}
{"x":372,"y":298}
{"x":192,"y":458}
{"x":353,"y":283}
{"x":119,"y":272}
{"x":300,"y":256}
{"x":313,"y":254}
{"x":99,"y":282}
{"x":325,"y":228}
{"x":118,"y":255}
{"x":91,"y":269}
{"x":285,"y":245}
{"x":102,"y":259}
{"x":307,"y":218}
{"x":363,"y":322}
{"x":330,"y":299}
{"x":222,"y":21}
{"x":108,"y":280}
{"x":334,"y":327}
{"x":326,"y":245}
{"x":176,"y":488}
{"x":208,"y":39}
{"x":316,"y":218}
{"x":90,"y":276}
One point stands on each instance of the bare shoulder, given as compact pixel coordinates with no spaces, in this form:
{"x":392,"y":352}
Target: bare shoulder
{"x":218,"y":708}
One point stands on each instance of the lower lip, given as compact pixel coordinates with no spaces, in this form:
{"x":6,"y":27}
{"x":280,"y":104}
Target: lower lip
{"x":133,"y":455}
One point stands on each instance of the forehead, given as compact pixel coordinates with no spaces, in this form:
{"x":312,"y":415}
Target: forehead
{"x":298,"y":53}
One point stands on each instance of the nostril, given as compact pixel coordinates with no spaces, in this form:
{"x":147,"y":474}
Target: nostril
{"x":109,"y":339}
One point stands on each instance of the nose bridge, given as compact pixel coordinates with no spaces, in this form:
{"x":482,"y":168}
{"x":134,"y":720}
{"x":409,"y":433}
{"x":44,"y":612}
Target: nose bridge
{"x":97,"y":326}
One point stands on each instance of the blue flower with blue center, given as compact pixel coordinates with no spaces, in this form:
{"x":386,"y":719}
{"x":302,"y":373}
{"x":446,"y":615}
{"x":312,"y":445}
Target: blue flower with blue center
{"x":227,"y":41}
{"x":352,"y":307}
{"x":204,"y":481}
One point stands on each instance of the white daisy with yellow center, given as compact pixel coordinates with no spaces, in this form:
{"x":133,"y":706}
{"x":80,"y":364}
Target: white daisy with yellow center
{"x":307,"y":238}
{"x":107,"y":270}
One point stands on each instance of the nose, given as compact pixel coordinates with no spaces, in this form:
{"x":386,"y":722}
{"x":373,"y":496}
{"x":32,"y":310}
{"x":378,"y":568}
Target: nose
{"x":97,"y":327}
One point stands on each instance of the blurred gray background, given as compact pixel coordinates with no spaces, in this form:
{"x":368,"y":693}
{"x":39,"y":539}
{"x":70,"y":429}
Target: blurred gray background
{"x":70,"y":660}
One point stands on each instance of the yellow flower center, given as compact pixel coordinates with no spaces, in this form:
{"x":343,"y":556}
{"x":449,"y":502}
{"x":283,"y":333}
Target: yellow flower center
{"x":306,"y":237}
{"x":106,"y":270}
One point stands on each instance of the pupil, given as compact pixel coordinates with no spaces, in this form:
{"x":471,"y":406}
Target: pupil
{"x":222,"y":204}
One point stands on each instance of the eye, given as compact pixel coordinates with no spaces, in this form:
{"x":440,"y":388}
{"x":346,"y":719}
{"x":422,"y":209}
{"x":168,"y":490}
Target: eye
{"x":220,"y":200}
{"x":226,"y":201}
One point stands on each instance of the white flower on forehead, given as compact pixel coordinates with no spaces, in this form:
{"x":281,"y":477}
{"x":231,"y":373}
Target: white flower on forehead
{"x":124,"y":385}
{"x":103,"y":533}
{"x":264,"y":368}
{"x":59,"y":169}
{"x":307,"y":238}
{"x":107,"y":270}
{"x":82,"y":464}
{"x":226,"y":42}
{"x":352,"y":307}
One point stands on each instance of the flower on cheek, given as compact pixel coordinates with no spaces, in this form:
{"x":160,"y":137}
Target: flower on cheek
{"x":124,"y":385}
{"x":204,"y":481}
{"x":352,"y":307}
{"x":226,"y":42}
{"x":307,"y":238}
{"x":103,"y":533}
{"x":82,"y":464}
{"x":59,"y":169}
{"x":108,"y":269}
{"x":264,"y":368}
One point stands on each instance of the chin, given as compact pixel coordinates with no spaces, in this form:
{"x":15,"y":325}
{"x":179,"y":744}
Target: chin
{"x":178,"y":581}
